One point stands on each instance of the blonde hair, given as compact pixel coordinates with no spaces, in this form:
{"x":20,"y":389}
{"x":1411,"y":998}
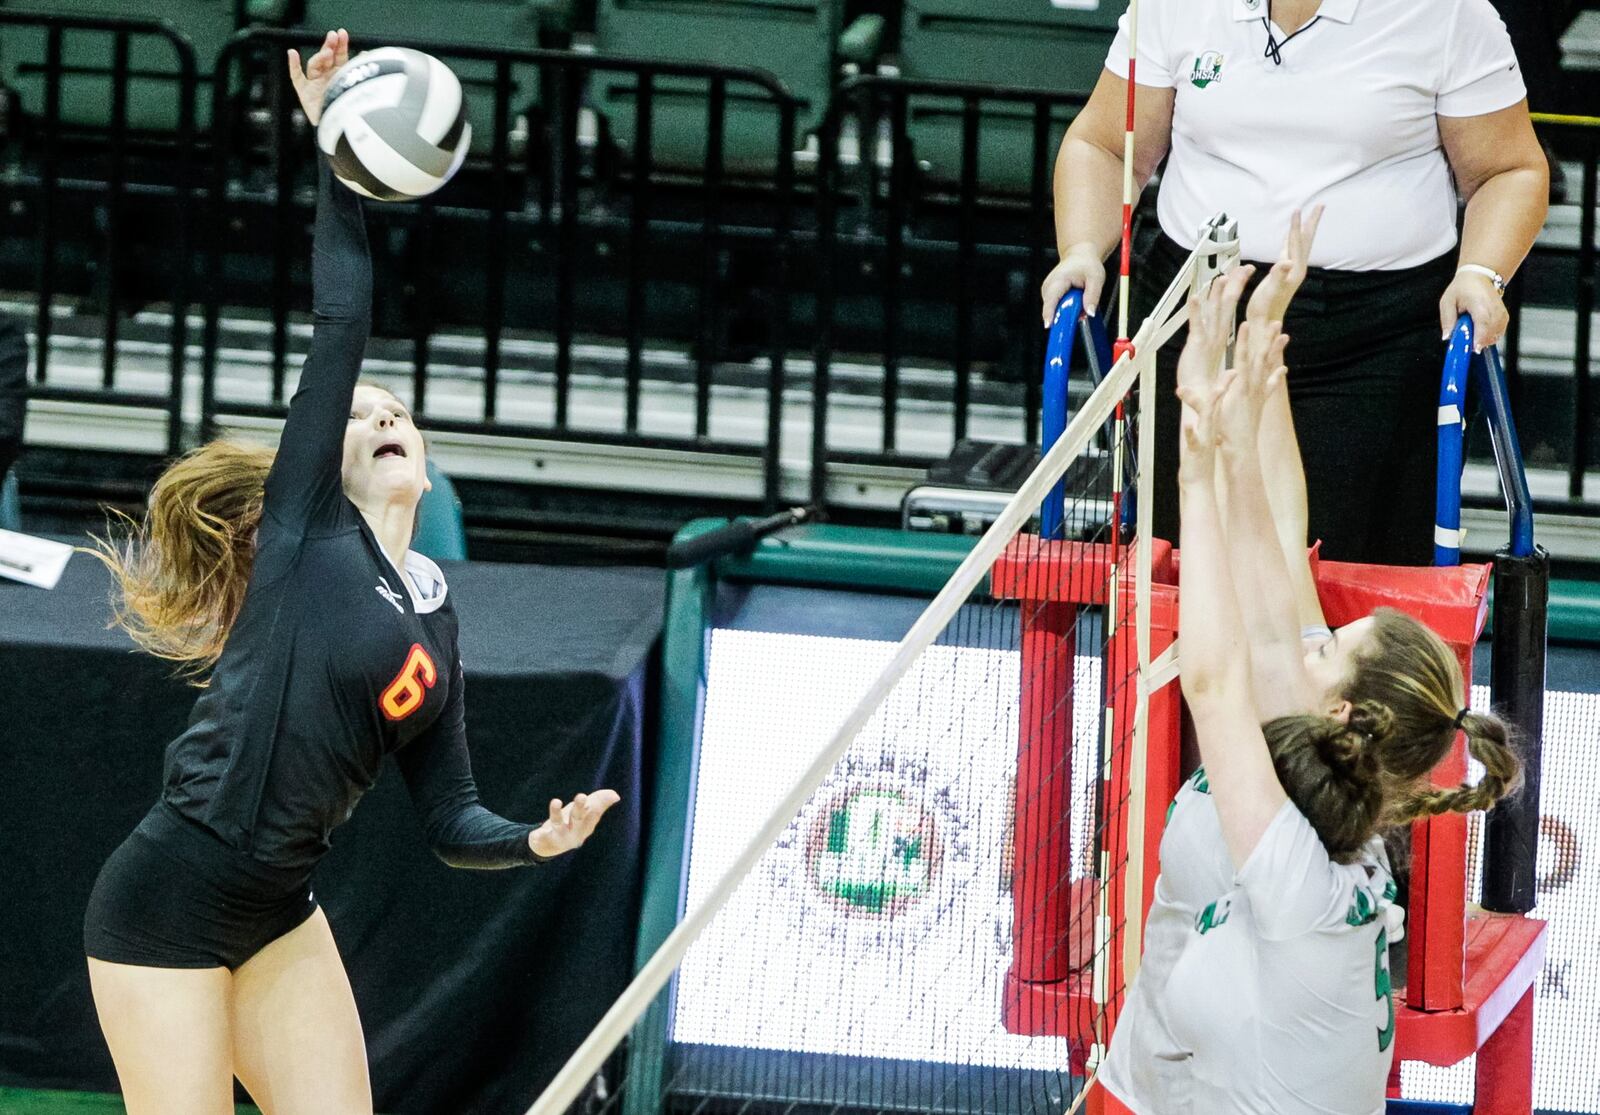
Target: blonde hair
{"x":181,"y":572}
{"x":1353,"y":779}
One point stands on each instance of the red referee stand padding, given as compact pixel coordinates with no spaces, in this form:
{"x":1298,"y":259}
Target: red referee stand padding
{"x":1050,"y":987}
{"x":1469,"y":976}
{"x":1469,"y":979}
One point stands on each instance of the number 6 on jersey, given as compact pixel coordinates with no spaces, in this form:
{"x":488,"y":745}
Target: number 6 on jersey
{"x":409,"y":689}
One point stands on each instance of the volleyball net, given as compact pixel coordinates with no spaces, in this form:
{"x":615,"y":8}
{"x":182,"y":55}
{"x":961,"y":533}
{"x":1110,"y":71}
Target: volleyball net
{"x":931,"y":900}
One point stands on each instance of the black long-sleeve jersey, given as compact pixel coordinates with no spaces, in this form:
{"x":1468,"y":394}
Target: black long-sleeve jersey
{"x":337,"y":657}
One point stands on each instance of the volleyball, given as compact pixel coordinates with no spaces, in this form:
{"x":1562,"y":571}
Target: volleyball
{"x":394,"y":124}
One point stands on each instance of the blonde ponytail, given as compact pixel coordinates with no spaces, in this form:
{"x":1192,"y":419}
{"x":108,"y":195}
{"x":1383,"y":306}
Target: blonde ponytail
{"x":181,"y":573}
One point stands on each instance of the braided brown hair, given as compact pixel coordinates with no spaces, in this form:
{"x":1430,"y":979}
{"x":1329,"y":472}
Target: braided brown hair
{"x":1353,"y":779}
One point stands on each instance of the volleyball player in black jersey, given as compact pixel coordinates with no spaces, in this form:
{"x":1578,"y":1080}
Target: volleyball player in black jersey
{"x":207,"y":955}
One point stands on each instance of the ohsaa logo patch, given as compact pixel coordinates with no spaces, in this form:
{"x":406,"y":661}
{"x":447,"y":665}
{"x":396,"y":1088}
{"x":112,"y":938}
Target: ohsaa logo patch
{"x":873,"y":850}
{"x":1207,"y":68}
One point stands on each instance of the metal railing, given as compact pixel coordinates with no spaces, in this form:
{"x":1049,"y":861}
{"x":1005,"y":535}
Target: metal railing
{"x":1521,"y":605}
{"x":929,"y":212}
{"x":1582,"y":133}
{"x":35,"y":178}
{"x":549,"y":211}
{"x":887,"y":217}
{"x":894,"y":210}
{"x":1487,"y":374}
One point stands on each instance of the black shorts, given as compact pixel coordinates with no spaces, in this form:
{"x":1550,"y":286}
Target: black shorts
{"x":174,"y":895}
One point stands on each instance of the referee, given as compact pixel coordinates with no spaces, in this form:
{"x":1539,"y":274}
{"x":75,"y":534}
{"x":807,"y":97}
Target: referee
{"x":1388,"y":113}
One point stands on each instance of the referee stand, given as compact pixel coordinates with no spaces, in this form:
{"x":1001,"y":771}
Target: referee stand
{"x":1471,"y":970}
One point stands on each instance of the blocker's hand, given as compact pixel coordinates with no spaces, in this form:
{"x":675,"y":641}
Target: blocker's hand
{"x":1201,"y":428}
{"x":1272,"y":297}
{"x":311,"y":84}
{"x":571,"y":824}
{"x":1258,"y":372}
{"x":1211,"y":316}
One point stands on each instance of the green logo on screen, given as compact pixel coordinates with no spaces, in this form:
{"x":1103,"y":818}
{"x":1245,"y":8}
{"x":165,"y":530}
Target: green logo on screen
{"x":1207,"y":68}
{"x":872,"y":851}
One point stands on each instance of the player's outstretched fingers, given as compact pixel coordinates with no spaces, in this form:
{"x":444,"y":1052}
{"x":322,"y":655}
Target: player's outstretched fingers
{"x":1280,"y":345}
{"x":598,"y":802}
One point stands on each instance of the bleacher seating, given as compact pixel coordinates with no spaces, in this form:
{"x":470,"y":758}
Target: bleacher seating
{"x":152,"y":103}
{"x":800,"y":42}
{"x":1018,"y":43}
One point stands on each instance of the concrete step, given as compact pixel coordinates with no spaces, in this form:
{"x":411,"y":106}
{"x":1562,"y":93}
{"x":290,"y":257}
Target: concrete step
{"x":738,"y":419}
{"x":1580,"y":45}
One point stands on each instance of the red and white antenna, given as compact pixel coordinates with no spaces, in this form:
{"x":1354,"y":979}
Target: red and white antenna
{"x":1124,"y":345}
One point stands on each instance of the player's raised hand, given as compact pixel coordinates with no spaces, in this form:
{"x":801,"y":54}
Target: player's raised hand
{"x":1212,"y":313}
{"x":570,"y":825}
{"x":1201,"y":429}
{"x":1258,"y":371}
{"x":311,"y":83}
{"x":1277,"y":289}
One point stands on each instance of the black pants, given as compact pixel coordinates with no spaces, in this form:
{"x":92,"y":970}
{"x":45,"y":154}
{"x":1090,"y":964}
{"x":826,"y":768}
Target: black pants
{"x":1364,"y":365}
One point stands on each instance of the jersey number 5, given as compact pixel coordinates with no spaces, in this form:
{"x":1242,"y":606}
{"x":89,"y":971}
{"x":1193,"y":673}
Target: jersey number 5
{"x":1385,"y":991}
{"x":409,"y":689}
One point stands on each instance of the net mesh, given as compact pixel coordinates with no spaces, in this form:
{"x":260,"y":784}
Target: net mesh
{"x":935,"y":929}
{"x":880,"y":955}
{"x":938,"y":922}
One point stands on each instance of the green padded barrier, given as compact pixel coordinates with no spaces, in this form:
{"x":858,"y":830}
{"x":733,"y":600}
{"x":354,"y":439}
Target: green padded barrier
{"x":794,"y":40}
{"x":478,"y":23}
{"x":1019,"y":43}
{"x":901,"y":561}
{"x":10,"y":503}
{"x":1575,"y":611}
{"x":153,"y":91}
{"x":851,"y":557}
{"x":441,"y":532}
{"x":1574,"y":614}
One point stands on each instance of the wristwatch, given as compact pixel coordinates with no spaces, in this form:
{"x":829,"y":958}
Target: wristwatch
{"x":1487,"y":272}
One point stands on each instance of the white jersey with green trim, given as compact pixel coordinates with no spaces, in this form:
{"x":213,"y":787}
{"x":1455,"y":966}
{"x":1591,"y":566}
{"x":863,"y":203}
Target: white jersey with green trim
{"x":1272,"y":995}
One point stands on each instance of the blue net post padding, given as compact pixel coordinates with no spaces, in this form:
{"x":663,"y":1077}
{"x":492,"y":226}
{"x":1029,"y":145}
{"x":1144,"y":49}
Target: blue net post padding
{"x":1521,"y":609}
{"x":1070,"y":321}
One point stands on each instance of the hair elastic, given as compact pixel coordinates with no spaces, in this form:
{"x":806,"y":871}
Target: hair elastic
{"x":1461,"y":719}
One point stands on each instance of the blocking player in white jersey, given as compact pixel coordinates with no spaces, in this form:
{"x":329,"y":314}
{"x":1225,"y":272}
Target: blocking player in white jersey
{"x":1264,"y":987}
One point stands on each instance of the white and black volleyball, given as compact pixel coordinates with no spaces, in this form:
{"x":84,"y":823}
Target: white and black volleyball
{"x":394,"y":124}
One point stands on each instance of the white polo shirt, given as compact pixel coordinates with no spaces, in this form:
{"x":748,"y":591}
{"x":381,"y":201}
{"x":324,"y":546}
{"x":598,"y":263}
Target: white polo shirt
{"x":1348,"y":120}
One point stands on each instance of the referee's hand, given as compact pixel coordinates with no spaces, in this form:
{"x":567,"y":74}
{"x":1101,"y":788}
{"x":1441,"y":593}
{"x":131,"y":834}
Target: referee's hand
{"x":1471,"y":293}
{"x":571,"y":824}
{"x":1079,"y":268}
